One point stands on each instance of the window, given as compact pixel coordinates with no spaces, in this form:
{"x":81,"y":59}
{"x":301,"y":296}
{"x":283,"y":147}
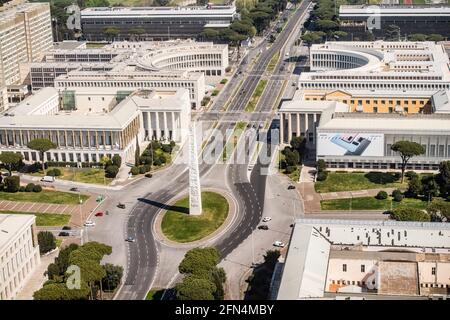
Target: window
{"x":344,"y":268}
{"x":367,"y":101}
{"x":433,"y":271}
{"x":363,"y":268}
{"x":391,"y":109}
{"x":375,"y":109}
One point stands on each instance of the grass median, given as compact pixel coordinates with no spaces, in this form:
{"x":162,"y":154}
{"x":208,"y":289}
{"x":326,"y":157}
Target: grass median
{"x":256,"y":95}
{"x":177,"y":225}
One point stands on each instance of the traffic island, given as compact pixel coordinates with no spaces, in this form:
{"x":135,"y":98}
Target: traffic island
{"x":178,"y":226}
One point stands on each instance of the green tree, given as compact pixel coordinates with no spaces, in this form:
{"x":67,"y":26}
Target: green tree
{"x":10,"y":160}
{"x":137,"y":153}
{"x":435,"y":37}
{"x":439,"y":207}
{"x":111,"y":171}
{"x":430,"y":188}
{"x":392,"y":33}
{"x":327,"y":25}
{"x":409,"y":214}
{"x":443,"y":179}
{"x":210,"y":33}
{"x":111,"y":32}
{"x":199,"y":261}
{"x":218,"y":277}
{"x":105,"y":161}
{"x":162,"y":3}
{"x":59,"y":291}
{"x":42,"y":146}
{"x":414,"y":187}
{"x":62,"y":261}
{"x":96,"y":3}
{"x":12,"y":184}
{"x":136,"y":32}
{"x":116,"y":160}
{"x":194,"y":288}
{"x":292,"y":158}
{"x":407,"y":150}
{"x":298,"y":144}
{"x":113,"y":276}
{"x":417,"y":37}
{"x":46,"y":241}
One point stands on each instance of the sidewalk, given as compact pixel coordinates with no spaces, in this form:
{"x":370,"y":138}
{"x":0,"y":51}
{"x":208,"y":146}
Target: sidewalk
{"x":37,"y":278}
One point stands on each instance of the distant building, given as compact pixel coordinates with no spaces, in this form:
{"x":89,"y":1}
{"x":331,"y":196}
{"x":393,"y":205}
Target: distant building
{"x":19,"y":252}
{"x":361,"y":97}
{"x":89,"y":123}
{"x":154,"y":23}
{"x":25,"y":34}
{"x":356,"y":259}
{"x":134,"y":65}
{"x":425,"y":19}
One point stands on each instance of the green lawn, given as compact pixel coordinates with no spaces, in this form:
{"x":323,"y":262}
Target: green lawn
{"x":371,"y":203}
{"x":358,"y":181}
{"x":154,"y":294}
{"x":256,"y":95}
{"x":45,"y":219}
{"x":85,"y":175}
{"x":179,"y":226}
{"x":46,"y":196}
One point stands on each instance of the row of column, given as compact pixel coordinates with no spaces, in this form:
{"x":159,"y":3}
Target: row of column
{"x":162,"y":121}
{"x":289,"y":117}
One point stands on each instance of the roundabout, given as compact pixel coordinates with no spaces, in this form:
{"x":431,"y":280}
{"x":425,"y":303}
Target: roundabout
{"x":176,"y":225}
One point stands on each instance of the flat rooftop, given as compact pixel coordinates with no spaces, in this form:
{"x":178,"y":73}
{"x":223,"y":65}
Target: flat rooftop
{"x":397,"y":10}
{"x":147,"y":12}
{"x":10,"y":226}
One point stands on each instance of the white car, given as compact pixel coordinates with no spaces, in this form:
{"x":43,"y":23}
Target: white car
{"x":89,"y":223}
{"x":266,"y":219}
{"x":279,"y":244}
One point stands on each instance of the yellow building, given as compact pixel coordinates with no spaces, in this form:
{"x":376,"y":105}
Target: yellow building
{"x":371,"y":102}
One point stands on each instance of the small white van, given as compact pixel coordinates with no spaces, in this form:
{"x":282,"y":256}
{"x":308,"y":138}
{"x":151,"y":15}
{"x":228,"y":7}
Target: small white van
{"x":48,"y":179}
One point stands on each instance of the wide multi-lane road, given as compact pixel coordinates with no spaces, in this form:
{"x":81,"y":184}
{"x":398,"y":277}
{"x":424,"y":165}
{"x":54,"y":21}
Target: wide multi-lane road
{"x":142,"y":258}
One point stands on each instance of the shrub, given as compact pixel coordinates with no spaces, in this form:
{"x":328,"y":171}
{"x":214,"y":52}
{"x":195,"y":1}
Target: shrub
{"x":409,"y":214}
{"x":46,"y":241}
{"x":116,"y":160}
{"x":2,"y":186}
{"x":29,"y":187}
{"x":22,"y":189}
{"x":55,"y":172}
{"x":147,"y":167}
{"x":12,"y":184}
{"x":223,"y":81}
{"x":411,"y":174}
{"x":141,"y":169}
{"x":341,"y":171}
{"x":157,"y":162}
{"x":322,"y":175}
{"x":134,"y":171}
{"x":167,"y":148}
{"x":321,"y":165}
{"x":381,"y":195}
{"x":290,"y":169}
{"x":37,"y":188}
{"x":397,"y":195}
{"x":146,"y":159}
{"x":215,"y":93}
{"x":111,"y":171}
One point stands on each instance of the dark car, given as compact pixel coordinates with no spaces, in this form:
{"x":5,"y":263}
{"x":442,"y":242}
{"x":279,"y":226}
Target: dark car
{"x":67,"y":228}
{"x":148,"y":175}
{"x":263,"y":227}
{"x":63,"y":234}
{"x":121,"y":206}
{"x":291,"y":187}
{"x":74,"y":189}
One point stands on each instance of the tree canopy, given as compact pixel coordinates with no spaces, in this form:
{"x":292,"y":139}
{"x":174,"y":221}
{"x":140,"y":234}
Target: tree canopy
{"x":407,"y":150}
{"x":10,"y":159}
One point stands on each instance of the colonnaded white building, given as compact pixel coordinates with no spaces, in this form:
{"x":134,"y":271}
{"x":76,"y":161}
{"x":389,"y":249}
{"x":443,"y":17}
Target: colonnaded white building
{"x":134,"y":65}
{"x":92,"y":122}
{"x":19,"y":252}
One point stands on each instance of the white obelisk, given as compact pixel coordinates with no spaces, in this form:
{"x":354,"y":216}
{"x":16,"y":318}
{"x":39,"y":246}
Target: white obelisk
{"x":195,"y":194}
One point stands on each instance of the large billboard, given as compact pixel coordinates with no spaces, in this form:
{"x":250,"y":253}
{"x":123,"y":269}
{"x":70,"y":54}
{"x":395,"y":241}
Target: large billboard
{"x":350,"y":144}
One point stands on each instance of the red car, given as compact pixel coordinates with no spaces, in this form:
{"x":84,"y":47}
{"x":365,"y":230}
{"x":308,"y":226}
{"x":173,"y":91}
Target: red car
{"x":99,"y":214}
